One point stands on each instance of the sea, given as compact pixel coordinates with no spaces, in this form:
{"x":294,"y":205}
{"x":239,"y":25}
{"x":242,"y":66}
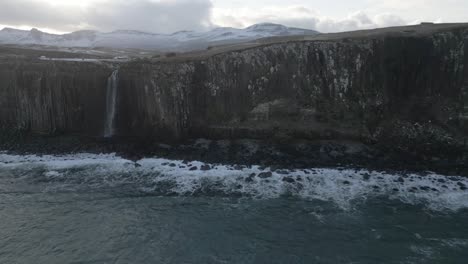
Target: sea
{"x":89,"y":208}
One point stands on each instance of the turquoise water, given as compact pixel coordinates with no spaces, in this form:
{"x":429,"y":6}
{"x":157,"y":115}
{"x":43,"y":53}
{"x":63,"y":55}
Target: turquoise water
{"x":104,"y":209}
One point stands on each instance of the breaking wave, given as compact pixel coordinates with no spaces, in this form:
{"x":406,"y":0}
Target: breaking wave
{"x":154,"y":176}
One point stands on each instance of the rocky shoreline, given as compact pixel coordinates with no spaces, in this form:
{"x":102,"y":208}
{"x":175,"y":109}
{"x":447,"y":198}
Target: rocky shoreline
{"x":293,"y":154}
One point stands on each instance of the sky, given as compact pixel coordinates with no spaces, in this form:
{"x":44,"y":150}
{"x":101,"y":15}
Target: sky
{"x":167,"y":16}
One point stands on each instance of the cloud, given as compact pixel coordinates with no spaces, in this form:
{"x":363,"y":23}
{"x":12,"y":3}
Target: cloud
{"x":30,"y":12}
{"x":162,"y":16}
{"x":296,"y":16}
{"x":359,"y":20}
{"x":299,"y":16}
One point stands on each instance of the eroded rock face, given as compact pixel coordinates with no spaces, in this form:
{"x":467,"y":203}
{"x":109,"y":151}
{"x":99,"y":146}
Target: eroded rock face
{"x":382,"y":88}
{"x":347,"y":89}
{"x":52,"y":97}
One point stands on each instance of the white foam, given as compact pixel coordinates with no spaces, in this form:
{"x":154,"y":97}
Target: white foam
{"x":455,"y":243}
{"x":342,"y":187}
{"x":62,"y":161}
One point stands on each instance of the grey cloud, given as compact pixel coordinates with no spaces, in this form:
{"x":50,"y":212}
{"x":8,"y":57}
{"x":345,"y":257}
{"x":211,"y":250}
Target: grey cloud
{"x":298,"y":16}
{"x":29,"y":12}
{"x":359,"y":20}
{"x":147,"y":15}
{"x":356,"y":21}
{"x":164,"y":16}
{"x":389,"y":20}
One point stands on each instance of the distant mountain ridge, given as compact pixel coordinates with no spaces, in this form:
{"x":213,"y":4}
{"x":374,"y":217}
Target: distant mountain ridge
{"x":133,"y":39}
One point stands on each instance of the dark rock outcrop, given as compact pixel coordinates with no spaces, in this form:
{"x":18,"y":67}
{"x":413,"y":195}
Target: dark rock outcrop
{"x":50,"y":97}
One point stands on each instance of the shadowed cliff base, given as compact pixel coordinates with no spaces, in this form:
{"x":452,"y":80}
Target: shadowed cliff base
{"x":274,"y":153}
{"x":387,"y":98}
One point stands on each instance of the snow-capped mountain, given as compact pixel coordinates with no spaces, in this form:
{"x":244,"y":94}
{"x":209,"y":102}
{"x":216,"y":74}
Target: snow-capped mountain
{"x":131,"y":39}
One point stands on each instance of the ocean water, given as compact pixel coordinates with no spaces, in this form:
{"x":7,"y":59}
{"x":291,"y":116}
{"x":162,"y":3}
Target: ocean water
{"x":86,"y":208}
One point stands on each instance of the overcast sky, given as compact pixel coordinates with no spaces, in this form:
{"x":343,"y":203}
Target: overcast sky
{"x":166,"y":16}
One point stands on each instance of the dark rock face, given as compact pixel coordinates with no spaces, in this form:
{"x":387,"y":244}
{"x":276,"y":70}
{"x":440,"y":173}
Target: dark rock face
{"x":405,"y":92}
{"x":205,"y":167}
{"x":52,"y":97}
{"x":347,"y":89}
{"x":265,"y":175}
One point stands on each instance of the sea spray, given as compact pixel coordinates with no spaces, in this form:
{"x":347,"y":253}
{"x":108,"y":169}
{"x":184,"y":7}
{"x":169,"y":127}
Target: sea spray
{"x":343,"y":187}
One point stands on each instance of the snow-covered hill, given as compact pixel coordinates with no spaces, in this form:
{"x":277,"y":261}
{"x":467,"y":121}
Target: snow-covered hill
{"x":130,"y":39}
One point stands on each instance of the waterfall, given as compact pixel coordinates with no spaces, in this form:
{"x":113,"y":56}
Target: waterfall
{"x":111,"y":99}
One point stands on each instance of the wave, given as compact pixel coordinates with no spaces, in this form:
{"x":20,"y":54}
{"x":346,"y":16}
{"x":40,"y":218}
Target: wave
{"x":155,"y":176}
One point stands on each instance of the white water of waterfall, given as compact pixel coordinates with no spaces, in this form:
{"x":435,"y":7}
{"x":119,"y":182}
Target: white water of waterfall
{"x":111,"y":99}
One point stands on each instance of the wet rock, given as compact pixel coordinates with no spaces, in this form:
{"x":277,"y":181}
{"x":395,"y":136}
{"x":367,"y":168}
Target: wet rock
{"x":205,"y":167}
{"x":335,"y":154}
{"x":366,"y":176}
{"x":250,"y":178}
{"x":194,"y":168}
{"x":282,"y":172}
{"x":165,"y":146}
{"x":346,"y":183}
{"x":289,"y":180}
{"x":137,"y":165}
{"x":441,"y":180}
{"x":462,"y":186}
{"x":239,"y":167}
{"x":401,"y":180}
{"x":275,"y":168}
{"x":173,"y":165}
{"x":265,"y":175}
